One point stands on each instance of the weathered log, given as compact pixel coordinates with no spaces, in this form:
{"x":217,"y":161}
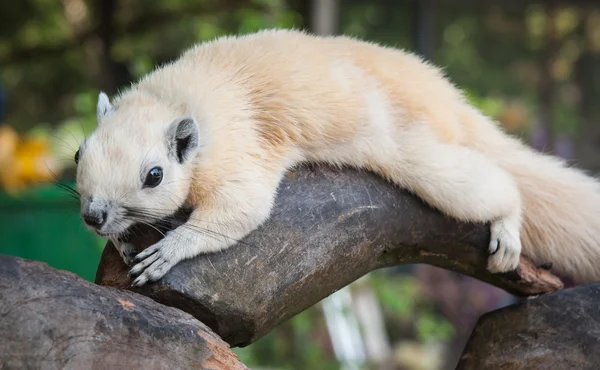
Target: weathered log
{"x":553,"y":332}
{"x":52,"y":319}
{"x":328,"y":228}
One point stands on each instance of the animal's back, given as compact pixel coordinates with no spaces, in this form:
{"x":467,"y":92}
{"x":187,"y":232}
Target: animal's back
{"x":322,"y":93}
{"x":308,"y":81}
{"x":331,"y":75}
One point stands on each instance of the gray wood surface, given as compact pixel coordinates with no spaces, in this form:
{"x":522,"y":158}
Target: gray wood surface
{"x":328,"y":228}
{"x":557,"y":331}
{"x":52,"y":319}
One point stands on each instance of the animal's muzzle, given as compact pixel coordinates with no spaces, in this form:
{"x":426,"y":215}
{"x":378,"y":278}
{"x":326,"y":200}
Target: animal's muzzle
{"x":94,"y":212}
{"x":95,"y":219}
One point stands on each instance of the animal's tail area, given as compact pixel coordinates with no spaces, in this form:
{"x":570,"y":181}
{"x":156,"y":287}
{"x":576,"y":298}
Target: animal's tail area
{"x":561,"y":221}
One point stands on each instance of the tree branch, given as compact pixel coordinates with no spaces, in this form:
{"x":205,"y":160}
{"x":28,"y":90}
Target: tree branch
{"x":328,"y":228}
{"x":53,"y":319}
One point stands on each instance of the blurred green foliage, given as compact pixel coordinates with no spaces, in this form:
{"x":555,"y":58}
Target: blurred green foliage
{"x":55,"y":59}
{"x":400,"y":297}
{"x":302,"y":343}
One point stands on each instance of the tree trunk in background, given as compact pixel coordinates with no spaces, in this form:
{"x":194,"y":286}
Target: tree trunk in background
{"x":543,"y":138}
{"x":302,"y":7}
{"x":588,"y":143}
{"x":584,"y":70}
{"x":425,"y":28}
{"x":112,"y":74}
{"x":324,"y":18}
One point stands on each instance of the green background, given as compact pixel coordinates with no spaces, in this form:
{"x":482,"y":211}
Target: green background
{"x":43,"y":223}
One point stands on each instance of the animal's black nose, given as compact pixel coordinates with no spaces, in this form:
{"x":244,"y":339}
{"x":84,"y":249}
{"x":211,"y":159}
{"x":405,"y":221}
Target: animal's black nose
{"x":95,"y":219}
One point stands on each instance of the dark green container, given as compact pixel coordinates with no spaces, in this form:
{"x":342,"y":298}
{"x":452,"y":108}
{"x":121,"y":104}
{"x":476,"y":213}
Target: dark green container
{"x":43,"y":223}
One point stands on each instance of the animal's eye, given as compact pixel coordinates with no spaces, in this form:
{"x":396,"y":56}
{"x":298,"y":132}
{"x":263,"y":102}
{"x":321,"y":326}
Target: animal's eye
{"x":153,"y":178}
{"x":77,"y":157}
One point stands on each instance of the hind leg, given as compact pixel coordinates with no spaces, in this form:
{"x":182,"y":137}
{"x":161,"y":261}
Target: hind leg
{"x":466,"y":185}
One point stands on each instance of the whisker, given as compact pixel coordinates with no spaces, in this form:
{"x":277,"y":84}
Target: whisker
{"x":67,"y":145}
{"x":184,"y":226}
{"x":70,"y":191}
{"x":149,"y":213}
{"x":149,"y":150}
{"x":155,"y":228}
{"x":82,"y":129}
{"x":73,"y":136}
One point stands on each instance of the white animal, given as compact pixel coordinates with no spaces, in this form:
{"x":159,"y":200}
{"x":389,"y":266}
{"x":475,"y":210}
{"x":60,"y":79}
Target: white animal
{"x":217,"y":129}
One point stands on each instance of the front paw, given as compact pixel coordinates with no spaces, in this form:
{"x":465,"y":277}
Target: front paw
{"x":505,"y":246}
{"x":152,"y":263}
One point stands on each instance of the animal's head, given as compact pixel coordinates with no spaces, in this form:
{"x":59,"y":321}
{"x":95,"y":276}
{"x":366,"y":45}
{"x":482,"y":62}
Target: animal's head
{"x":136,"y":166}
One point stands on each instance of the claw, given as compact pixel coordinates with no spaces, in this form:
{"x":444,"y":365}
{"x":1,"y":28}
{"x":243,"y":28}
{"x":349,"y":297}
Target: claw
{"x":153,"y":263}
{"x":141,"y":280}
{"x":145,"y":254}
{"x":493,"y":248}
{"x":505,"y":246}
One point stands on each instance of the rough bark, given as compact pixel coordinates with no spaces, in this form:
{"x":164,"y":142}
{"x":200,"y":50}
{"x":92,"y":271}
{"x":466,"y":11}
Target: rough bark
{"x":52,"y":319}
{"x":556,"y":331}
{"x":328,"y":228}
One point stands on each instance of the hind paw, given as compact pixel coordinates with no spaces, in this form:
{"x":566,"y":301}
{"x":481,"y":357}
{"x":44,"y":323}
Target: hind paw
{"x":505,"y":246}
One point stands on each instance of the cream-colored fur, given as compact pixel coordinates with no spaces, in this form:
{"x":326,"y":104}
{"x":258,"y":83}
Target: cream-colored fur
{"x":267,"y":101}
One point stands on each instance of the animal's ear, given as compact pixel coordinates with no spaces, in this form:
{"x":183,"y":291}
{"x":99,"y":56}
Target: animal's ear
{"x":103,"y":107}
{"x":183,"y":135}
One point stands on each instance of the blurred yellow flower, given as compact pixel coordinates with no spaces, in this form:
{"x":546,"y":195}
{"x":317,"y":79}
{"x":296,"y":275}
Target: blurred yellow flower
{"x":8,"y":143}
{"x":24,"y":161}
